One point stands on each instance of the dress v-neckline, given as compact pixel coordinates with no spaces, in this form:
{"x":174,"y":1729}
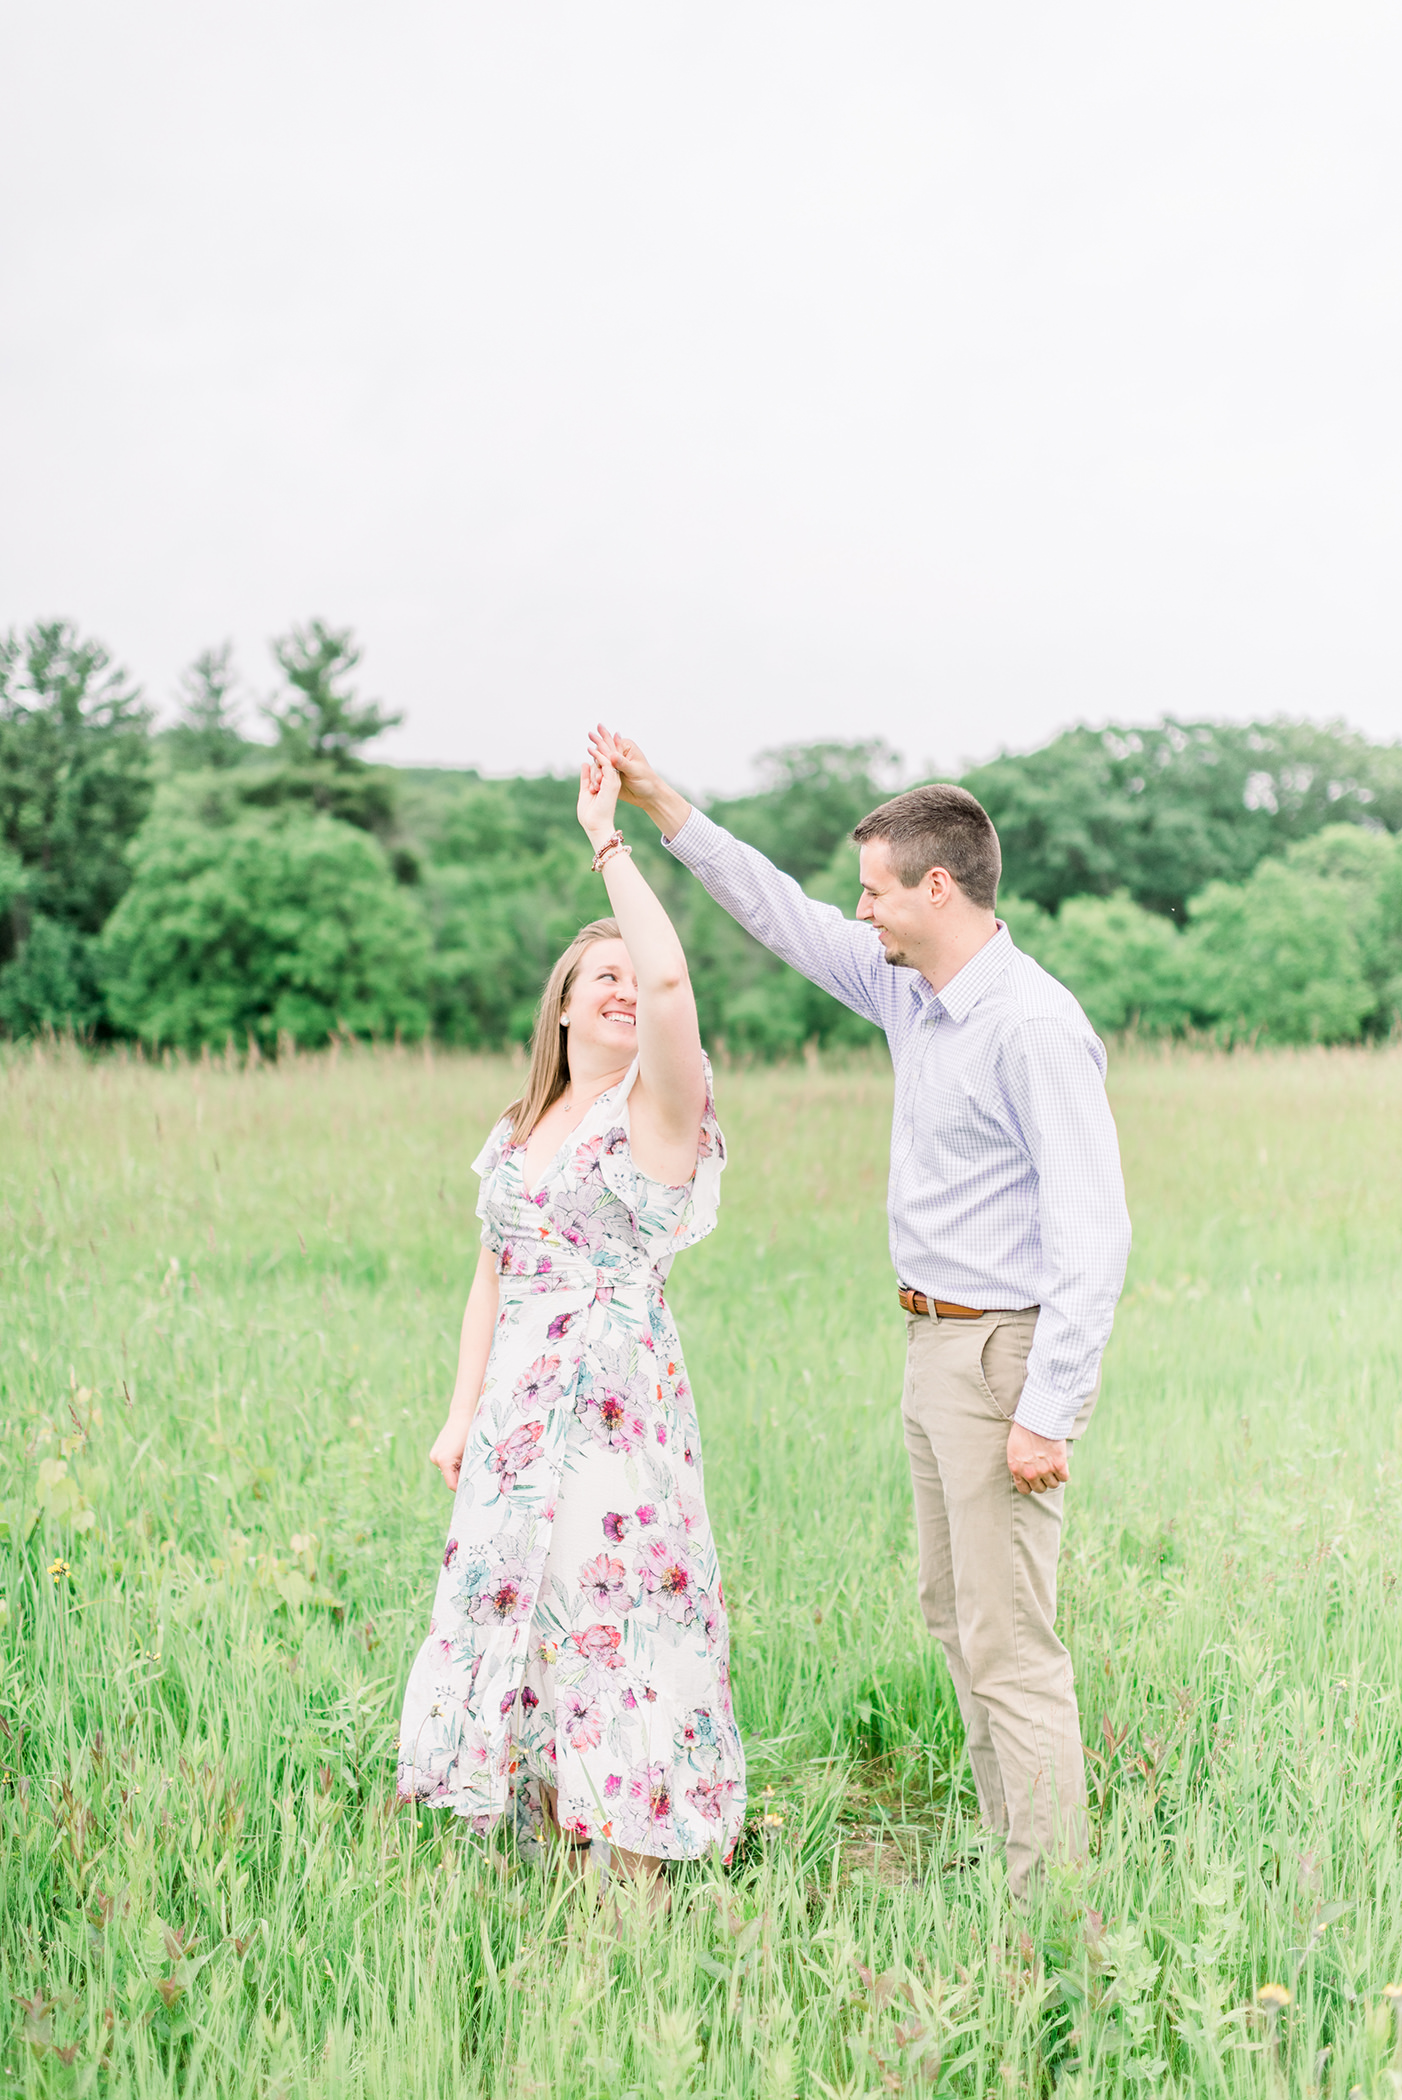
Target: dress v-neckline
{"x":570,"y":1135}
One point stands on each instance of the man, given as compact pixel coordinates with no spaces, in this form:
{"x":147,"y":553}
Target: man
{"x":1009,"y":1236}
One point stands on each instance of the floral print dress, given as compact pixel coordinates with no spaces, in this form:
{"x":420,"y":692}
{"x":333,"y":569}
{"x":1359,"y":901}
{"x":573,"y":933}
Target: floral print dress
{"x":579,"y":1635}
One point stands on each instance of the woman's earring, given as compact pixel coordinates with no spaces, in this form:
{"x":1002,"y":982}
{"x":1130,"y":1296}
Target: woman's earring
{"x":564,"y":1020}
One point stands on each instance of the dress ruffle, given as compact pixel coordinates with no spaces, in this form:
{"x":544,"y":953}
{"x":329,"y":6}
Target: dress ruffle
{"x":637,"y":1190}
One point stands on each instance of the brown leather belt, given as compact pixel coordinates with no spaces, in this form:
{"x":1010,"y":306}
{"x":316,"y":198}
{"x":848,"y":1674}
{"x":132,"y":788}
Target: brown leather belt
{"x":917,"y":1302}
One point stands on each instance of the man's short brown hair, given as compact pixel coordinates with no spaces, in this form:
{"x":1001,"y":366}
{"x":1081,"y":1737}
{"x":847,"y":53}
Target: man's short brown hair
{"x":939,"y":826}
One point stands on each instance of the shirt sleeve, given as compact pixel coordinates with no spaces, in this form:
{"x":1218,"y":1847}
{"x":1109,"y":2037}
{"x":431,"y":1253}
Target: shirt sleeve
{"x":1054,"y":1076}
{"x":842,"y":955}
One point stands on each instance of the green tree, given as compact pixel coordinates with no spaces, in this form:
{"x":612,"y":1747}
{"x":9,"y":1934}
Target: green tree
{"x":1161,"y":812}
{"x":1365,"y":868}
{"x":813,"y":795}
{"x":497,"y":928}
{"x":75,"y":775}
{"x":51,"y":983}
{"x":206,"y":734}
{"x":1127,"y":966}
{"x":318,"y":719}
{"x":1277,"y":958}
{"x":75,"y":783}
{"x":274,"y":922}
{"x":321,"y":727}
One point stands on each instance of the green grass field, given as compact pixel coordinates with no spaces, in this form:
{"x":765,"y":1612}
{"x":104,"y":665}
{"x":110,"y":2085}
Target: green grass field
{"x":230,"y":1302}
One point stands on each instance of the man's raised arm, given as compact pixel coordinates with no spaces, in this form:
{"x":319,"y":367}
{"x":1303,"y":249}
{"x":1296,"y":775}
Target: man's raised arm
{"x":839,"y":954}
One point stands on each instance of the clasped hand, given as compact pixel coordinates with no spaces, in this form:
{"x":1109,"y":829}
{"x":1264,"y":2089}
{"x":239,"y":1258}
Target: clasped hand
{"x":598,"y":799}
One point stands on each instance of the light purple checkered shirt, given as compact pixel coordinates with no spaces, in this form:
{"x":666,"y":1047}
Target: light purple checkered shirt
{"x":1005,"y":1186}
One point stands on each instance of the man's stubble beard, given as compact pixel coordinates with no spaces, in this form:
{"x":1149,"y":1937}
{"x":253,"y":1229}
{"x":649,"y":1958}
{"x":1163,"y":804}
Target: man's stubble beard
{"x":895,"y":958}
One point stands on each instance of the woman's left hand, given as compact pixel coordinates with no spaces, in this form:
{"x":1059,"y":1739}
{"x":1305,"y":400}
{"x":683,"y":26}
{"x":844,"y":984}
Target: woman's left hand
{"x":598,"y":800}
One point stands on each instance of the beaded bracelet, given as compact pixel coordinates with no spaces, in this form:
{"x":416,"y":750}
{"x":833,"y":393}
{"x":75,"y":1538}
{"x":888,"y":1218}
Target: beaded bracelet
{"x":611,"y":846}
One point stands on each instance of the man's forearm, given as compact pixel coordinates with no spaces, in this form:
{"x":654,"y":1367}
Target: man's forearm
{"x":668,"y":810}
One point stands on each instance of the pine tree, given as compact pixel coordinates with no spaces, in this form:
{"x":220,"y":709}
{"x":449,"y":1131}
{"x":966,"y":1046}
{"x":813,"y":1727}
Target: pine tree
{"x":318,"y":718}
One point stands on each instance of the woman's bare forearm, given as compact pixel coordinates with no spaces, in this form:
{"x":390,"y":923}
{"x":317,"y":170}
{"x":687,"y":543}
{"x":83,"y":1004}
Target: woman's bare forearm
{"x":479,"y":1322}
{"x":671,"y":1070}
{"x":648,"y":934}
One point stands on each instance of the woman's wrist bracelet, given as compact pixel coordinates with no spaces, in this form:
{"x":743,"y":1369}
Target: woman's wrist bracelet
{"x":615,"y":843}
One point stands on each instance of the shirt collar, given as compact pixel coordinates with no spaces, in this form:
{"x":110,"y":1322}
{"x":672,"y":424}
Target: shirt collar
{"x":967,"y":986}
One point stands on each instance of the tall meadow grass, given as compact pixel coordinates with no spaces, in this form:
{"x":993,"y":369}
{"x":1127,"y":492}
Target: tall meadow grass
{"x":230,"y":1303}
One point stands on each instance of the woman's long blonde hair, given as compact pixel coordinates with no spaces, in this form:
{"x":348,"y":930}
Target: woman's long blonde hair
{"x":549,"y":1072}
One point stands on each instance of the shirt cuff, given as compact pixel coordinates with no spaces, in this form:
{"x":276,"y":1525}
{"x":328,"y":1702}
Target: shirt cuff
{"x":689,"y":844}
{"x":1046,"y":1413}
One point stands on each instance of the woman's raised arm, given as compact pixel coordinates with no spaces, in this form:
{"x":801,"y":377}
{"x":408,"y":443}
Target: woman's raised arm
{"x":671,"y":1077}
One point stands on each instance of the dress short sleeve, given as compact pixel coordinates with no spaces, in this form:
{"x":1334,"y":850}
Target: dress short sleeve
{"x":667,"y":1219}
{"x":700,"y":1216}
{"x":486,"y":1164}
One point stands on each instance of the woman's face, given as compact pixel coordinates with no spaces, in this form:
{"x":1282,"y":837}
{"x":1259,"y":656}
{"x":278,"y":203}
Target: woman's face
{"x":603,"y":1007}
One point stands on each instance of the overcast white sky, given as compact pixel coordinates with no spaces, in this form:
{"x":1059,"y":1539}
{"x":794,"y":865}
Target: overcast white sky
{"x":740,"y":372}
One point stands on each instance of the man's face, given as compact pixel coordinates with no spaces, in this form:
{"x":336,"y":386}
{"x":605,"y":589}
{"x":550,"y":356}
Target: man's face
{"x":904,"y":919}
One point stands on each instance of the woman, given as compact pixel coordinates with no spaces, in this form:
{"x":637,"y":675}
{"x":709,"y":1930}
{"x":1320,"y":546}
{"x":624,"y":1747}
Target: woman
{"x":578,"y":1649}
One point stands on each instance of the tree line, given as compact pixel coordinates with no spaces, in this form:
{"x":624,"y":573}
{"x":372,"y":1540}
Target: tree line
{"x":190,"y":884}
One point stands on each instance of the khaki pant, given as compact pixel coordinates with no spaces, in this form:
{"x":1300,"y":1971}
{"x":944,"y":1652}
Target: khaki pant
{"x":988,"y":1581}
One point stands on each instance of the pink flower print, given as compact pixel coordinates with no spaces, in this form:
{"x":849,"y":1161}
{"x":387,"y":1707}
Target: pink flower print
{"x":450,"y":1553}
{"x":580,"y":1718}
{"x":690,"y":1511}
{"x":612,"y":1786}
{"x":586,"y":1156}
{"x":602,"y":1646}
{"x":667,"y":1578}
{"x":646,"y":1514}
{"x":505,"y":1598}
{"x":704,"y":1147}
{"x":629,"y":1701}
{"x":615,"y":1140}
{"x":576,"y":1224}
{"x":615,"y":1526}
{"x":508,"y":1702}
{"x":515,"y":1452}
{"x":539,"y":1384}
{"x":529,"y":1699}
{"x":605,"y":1583}
{"x":711,"y":1797}
{"x":650,"y":1790}
{"x":610,"y":1420}
{"x":558,"y":1326}
{"x":662,"y":1432}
